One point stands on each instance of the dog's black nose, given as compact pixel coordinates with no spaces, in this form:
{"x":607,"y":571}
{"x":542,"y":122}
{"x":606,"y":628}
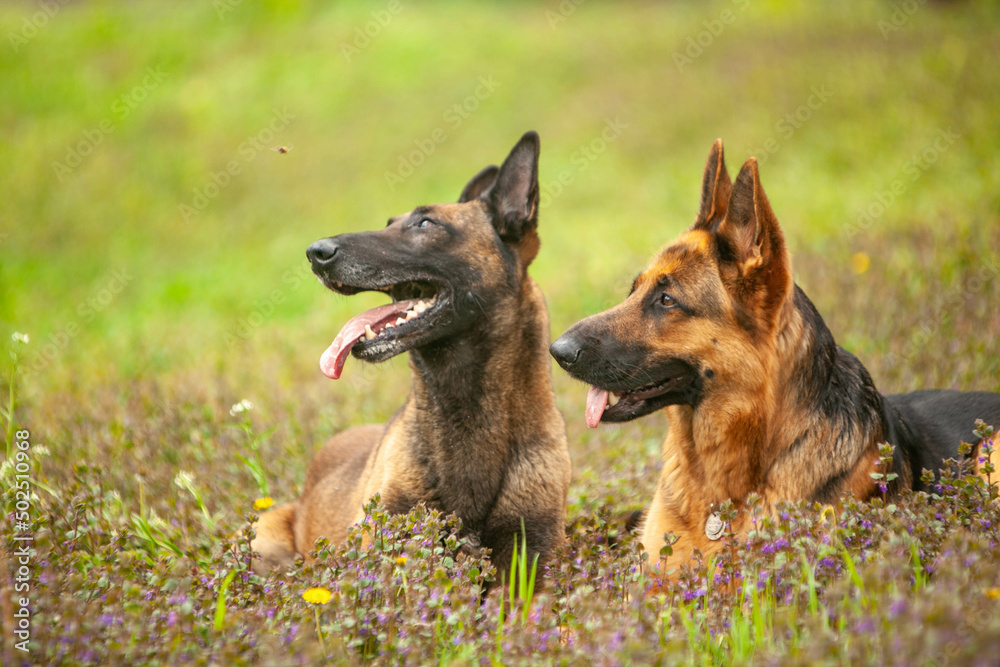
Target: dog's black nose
{"x":566,"y":350}
{"x":322,"y":252}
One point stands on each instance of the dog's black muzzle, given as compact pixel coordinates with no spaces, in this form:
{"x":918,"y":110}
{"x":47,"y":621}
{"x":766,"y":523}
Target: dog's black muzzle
{"x":322,"y":254}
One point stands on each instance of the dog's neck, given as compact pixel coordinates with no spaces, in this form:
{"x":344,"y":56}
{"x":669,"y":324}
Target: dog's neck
{"x":476,"y":401}
{"x":788,"y":410}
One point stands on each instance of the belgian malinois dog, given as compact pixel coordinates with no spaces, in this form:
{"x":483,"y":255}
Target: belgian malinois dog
{"x":759,"y":396}
{"x":480,"y":434}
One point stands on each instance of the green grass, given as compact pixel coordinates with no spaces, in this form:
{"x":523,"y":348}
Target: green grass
{"x":146,"y":327}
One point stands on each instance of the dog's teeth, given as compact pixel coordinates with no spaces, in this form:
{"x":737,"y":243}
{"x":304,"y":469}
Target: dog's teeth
{"x":369,"y":334}
{"x":420,"y":307}
{"x":400,"y":320}
{"x":410,"y":315}
{"x":390,"y":325}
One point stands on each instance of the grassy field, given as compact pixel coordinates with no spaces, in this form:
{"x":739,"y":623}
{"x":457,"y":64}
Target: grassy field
{"x":152,"y":247}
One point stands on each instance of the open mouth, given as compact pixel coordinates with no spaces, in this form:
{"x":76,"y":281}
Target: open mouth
{"x":383,"y":332}
{"x":604,"y":405}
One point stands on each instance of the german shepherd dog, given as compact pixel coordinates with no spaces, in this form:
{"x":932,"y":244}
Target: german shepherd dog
{"x":759,"y":397}
{"x":480,"y":434}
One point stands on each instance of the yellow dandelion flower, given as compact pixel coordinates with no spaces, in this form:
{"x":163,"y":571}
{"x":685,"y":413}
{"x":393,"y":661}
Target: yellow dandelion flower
{"x":827,"y":514}
{"x":317,"y":596}
{"x":993,"y":593}
{"x":860,"y":262}
{"x":401,"y":560}
{"x":263,"y":503}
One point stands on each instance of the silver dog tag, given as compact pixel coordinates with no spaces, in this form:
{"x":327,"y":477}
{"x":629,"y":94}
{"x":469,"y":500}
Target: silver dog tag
{"x":714,"y":526}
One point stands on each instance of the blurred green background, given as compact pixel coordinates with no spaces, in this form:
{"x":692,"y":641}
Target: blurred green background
{"x":116,"y":116}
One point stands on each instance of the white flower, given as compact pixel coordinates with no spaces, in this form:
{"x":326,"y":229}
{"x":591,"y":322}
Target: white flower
{"x":184,"y":479}
{"x":19,"y":337}
{"x":242,"y":406}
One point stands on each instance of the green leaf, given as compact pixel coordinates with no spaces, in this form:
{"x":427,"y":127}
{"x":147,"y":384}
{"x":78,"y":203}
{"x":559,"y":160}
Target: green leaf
{"x":220,"y":606}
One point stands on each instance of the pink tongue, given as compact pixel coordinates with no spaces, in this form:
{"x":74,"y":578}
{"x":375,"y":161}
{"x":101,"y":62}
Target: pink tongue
{"x":332,"y":361}
{"x":597,"y":400}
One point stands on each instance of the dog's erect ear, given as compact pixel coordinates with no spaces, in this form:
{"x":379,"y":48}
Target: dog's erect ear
{"x":480,"y":184}
{"x":514,"y":197}
{"x":715,"y":190}
{"x":754,"y":260}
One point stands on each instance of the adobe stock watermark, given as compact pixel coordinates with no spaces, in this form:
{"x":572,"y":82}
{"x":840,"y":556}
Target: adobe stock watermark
{"x":263,"y":309}
{"x":18,"y":469}
{"x":565,"y":9}
{"x":953,"y":302}
{"x":901,"y":14}
{"x":121,"y":108}
{"x":32,"y":25}
{"x":86,"y":311}
{"x":791,"y":122}
{"x":978,"y":619}
{"x":366,"y":34}
{"x":698,"y":43}
{"x":453,"y":118}
{"x":581,"y":159}
{"x":223,"y":7}
{"x":246,"y":153}
{"x":910,"y":172}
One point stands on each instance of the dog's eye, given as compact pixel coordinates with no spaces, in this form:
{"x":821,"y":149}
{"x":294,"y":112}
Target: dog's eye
{"x":667,"y":301}
{"x":425,"y":222}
